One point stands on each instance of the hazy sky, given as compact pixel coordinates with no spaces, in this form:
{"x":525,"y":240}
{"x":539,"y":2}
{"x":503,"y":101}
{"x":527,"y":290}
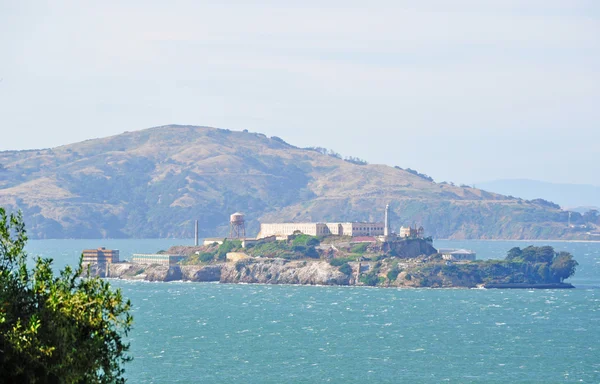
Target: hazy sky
{"x":463,"y":90}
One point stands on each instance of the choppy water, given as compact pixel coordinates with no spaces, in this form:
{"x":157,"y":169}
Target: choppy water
{"x":213,"y":333}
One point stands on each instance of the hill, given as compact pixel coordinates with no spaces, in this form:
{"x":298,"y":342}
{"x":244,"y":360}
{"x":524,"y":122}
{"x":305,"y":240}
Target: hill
{"x":155,"y":182}
{"x":569,"y":196}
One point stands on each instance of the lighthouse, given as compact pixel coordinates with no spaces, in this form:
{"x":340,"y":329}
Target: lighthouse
{"x":386,"y":228}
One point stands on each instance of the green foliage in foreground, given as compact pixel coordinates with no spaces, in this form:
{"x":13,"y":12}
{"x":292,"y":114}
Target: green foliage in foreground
{"x":56,"y":329}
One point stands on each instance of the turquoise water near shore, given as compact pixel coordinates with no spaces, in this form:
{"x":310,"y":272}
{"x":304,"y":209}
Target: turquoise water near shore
{"x":220,"y":333}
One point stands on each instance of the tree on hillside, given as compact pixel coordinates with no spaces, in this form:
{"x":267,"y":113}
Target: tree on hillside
{"x":563,"y":266}
{"x":355,"y":160}
{"x":514,"y":253}
{"x":56,"y":329}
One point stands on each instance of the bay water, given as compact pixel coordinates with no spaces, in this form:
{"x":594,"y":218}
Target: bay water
{"x":224,"y":333}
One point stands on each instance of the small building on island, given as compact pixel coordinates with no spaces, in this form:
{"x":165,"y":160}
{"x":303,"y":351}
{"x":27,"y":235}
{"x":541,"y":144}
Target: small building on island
{"x":410,"y":232}
{"x":100,"y":256}
{"x":452,"y":254}
{"x":156,"y":258}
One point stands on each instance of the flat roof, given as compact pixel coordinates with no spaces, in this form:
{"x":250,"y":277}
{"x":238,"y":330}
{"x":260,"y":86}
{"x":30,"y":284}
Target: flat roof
{"x":454,"y":250}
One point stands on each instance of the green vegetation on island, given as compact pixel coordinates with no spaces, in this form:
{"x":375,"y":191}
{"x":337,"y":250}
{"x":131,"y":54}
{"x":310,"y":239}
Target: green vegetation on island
{"x":530,"y":266}
{"x":402,"y":263}
{"x":56,"y":329}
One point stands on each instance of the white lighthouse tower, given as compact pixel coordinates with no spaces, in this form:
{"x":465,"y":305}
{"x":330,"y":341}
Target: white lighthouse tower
{"x":386,"y":228}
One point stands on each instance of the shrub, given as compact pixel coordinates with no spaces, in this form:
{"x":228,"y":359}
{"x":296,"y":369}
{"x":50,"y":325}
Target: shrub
{"x":370,"y":279}
{"x":206,"y":257}
{"x":273,"y":249}
{"x":346,"y":269}
{"x":339,"y":261}
{"x":360,"y":248}
{"x":312,"y":253}
{"x":305,"y":240}
{"x":226,"y":247}
{"x":299,"y":248}
{"x":392,"y":275}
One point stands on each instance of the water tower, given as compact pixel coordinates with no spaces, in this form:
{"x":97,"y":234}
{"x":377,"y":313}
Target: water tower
{"x":237,"y":228}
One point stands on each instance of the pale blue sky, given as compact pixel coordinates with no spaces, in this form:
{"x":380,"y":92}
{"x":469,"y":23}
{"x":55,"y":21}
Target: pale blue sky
{"x":463,"y":90}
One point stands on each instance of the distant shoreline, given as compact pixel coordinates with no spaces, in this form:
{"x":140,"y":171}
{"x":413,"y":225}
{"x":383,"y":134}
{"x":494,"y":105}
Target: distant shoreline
{"x":520,"y":240}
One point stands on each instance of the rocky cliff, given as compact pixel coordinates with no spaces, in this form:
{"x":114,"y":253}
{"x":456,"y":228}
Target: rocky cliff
{"x":403,"y":273}
{"x":268,"y":271}
{"x":273,"y":271}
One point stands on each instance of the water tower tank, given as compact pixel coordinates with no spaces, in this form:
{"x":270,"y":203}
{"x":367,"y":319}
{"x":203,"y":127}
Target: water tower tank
{"x":236,"y":218}
{"x":237,"y":228}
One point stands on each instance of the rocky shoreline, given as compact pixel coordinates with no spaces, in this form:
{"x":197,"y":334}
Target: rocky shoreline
{"x":269,"y":271}
{"x":529,"y":286}
{"x":279,"y":271}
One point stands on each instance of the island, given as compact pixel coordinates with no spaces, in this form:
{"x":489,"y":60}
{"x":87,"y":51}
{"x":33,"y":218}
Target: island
{"x":410,"y":262}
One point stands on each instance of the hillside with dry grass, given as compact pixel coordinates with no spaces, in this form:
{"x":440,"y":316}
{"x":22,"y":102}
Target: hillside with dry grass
{"x":156,"y":182}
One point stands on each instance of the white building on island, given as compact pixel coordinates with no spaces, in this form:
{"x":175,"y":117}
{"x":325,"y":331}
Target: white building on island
{"x":156,"y":258}
{"x":321,"y":229}
{"x":452,"y":254}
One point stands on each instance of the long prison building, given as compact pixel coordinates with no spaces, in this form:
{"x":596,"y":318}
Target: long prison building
{"x":321,"y":229}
